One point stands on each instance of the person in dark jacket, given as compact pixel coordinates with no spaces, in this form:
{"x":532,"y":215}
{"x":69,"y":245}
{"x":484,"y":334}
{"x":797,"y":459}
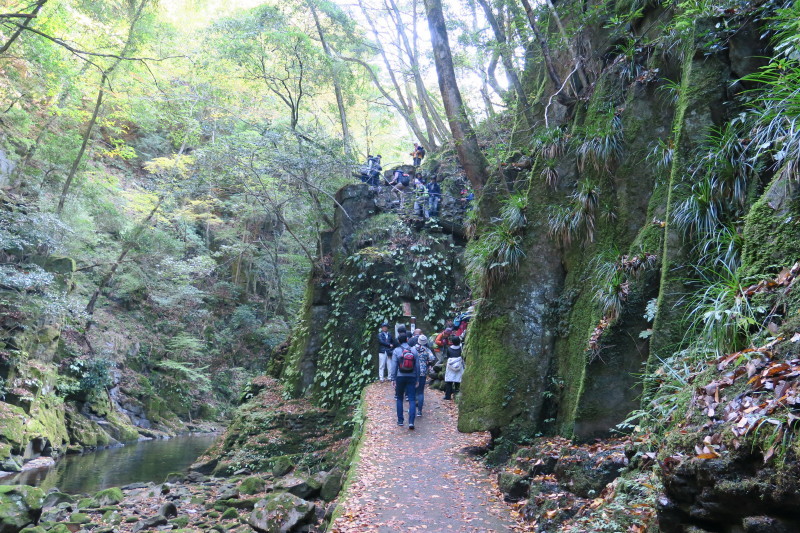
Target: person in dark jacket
{"x":405,"y":382}
{"x":434,"y":197}
{"x":385,"y":347}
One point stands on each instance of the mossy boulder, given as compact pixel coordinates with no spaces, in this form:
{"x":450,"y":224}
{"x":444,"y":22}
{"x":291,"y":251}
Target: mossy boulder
{"x":282,"y":466}
{"x":55,"y":498}
{"x":107,"y":497}
{"x":35,"y":529}
{"x":331,"y":484}
{"x":20,"y":506}
{"x":301,"y":487}
{"x":230,"y":513}
{"x":281,"y":513}
{"x":252,"y":485}
{"x":513,"y":486}
{"x":79,"y":518}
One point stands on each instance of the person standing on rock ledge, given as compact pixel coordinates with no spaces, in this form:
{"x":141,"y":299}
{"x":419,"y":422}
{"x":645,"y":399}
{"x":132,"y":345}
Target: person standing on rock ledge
{"x":406,"y":375}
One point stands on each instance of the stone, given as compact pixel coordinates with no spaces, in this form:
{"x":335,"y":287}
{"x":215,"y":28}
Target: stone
{"x":112,"y":517}
{"x":230,"y":513}
{"x":331,"y":485}
{"x":79,"y":518}
{"x":304,"y":488}
{"x":513,"y":486}
{"x":175,"y":477}
{"x":55,"y":498}
{"x":149,"y":523}
{"x":182,"y":521}
{"x":108,"y":497}
{"x":767,"y":524}
{"x":228,"y":492}
{"x":20,"y":506}
{"x":11,"y":464}
{"x":281,"y":513}
{"x":35,"y":529}
{"x":587,"y":475}
{"x":282,"y":466}
{"x":168,"y":510}
{"x":252,"y":485}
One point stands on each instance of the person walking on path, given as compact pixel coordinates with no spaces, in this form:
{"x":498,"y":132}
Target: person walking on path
{"x":385,"y":347}
{"x":454,"y":368}
{"x":425,"y":358}
{"x":406,"y":376}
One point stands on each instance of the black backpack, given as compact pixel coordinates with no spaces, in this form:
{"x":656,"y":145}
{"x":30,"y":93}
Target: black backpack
{"x":405,"y":180}
{"x":406,"y":363}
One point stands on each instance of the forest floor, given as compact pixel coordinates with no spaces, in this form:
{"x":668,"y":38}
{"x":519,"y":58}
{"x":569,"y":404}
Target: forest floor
{"x":419,"y":480}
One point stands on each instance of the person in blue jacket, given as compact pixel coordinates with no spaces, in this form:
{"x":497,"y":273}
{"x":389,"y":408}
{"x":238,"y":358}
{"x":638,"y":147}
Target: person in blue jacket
{"x":406,"y":376}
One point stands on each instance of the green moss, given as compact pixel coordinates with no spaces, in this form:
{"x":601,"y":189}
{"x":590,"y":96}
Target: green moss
{"x":489,"y":402}
{"x":771,"y":239}
{"x":107,"y":497}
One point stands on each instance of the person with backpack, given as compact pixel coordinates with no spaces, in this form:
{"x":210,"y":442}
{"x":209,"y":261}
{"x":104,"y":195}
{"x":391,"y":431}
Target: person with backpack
{"x":406,"y":377}
{"x":385,"y":347}
{"x":399,"y":331}
{"x":418,"y":154}
{"x":454,"y":368}
{"x":425,"y":358}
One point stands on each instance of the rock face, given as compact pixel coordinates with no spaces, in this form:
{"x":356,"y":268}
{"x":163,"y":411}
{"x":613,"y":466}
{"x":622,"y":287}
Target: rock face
{"x":281,"y":513}
{"x":20,"y":506}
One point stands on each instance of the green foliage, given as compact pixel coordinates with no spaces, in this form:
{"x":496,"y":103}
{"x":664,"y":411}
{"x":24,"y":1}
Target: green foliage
{"x":577,"y":219}
{"x":499,"y":250}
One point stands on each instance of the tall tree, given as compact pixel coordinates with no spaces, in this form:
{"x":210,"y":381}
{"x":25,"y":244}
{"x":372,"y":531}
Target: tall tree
{"x":469,"y":153}
{"x":136,"y":11}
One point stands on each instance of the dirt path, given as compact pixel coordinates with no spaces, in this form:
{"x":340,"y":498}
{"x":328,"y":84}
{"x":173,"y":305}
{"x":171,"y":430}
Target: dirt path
{"x":419,"y":480}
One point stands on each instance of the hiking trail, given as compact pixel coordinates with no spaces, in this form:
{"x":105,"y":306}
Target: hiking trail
{"x":419,"y":480}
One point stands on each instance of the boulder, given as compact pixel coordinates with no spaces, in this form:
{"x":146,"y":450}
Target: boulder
{"x":20,"y":506}
{"x":252,"y":485}
{"x":331,"y":484}
{"x":305,"y":488}
{"x":281,"y":513}
{"x":228,"y":492}
{"x":55,"y":498}
{"x":149,"y":523}
{"x":282,"y":466}
{"x":587,"y":475}
{"x":168,"y":510}
{"x":11,"y":464}
{"x":513,"y":486}
{"x":107,"y":497}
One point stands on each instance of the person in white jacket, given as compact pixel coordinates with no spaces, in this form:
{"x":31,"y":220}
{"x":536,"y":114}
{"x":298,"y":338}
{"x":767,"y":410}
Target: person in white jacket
{"x":454,"y":368}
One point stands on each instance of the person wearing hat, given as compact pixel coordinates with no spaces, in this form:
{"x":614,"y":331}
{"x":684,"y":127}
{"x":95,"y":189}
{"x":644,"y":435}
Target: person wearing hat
{"x":425,"y":357}
{"x":442,"y":343}
{"x":385,"y":346}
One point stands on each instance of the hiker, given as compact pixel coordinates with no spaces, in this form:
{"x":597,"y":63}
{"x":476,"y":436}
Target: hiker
{"x":406,"y":376}
{"x":434,"y":197}
{"x":375,"y":173}
{"x":399,"y":330}
{"x":441,"y":343}
{"x":414,"y":336}
{"x":454,"y":368}
{"x":385,"y":347}
{"x":420,"y":199}
{"x":425,"y":357}
{"x":418,"y":153}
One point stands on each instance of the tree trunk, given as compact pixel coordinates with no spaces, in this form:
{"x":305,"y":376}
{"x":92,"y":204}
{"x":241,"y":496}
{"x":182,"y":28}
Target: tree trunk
{"x":337,"y":85}
{"x":508,"y":64}
{"x":99,"y":102}
{"x":548,"y":58}
{"x":469,"y":153}
{"x":127,"y":247}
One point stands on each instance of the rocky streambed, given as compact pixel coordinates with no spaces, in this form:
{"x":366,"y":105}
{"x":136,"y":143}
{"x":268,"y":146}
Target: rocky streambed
{"x":191,"y":502}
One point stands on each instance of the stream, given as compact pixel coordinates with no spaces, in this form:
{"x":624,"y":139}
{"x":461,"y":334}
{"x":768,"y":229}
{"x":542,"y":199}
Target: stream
{"x":113,"y":467}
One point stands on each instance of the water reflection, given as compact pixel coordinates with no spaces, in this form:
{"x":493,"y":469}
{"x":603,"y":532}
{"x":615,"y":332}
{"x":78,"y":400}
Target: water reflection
{"x":114,"y":467}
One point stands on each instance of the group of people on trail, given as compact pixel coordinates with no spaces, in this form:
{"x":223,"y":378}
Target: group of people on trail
{"x":407,"y":359}
{"x":427,"y":193}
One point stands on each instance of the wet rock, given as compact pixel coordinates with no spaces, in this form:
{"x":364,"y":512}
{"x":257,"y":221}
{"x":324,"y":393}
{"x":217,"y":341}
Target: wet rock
{"x":55,"y":498}
{"x":168,"y":510}
{"x":149,"y":523}
{"x":20,"y":506}
{"x":587,"y":475}
{"x":513,"y":486}
{"x":304,"y":488}
{"x":281,"y":513}
{"x":252,"y":485}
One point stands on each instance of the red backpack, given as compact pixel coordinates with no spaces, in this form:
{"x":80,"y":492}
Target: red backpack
{"x":406,"y":362}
